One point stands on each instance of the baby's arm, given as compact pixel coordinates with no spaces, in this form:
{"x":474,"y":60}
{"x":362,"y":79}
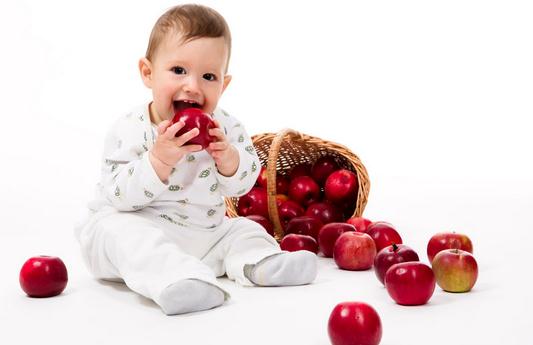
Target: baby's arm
{"x":241,"y":160}
{"x":133,"y":176}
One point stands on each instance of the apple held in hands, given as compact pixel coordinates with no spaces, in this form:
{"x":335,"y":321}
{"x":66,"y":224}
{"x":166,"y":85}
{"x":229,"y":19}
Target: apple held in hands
{"x":448,"y":240}
{"x":195,"y":118}
{"x":328,"y":234}
{"x":455,"y":270}
{"x":254,"y":202}
{"x":391,"y":255}
{"x":43,"y":276}
{"x":354,"y":251}
{"x":294,"y":242}
{"x":383,"y":234}
{"x":410,"y":283}
{"x":354,"y":323}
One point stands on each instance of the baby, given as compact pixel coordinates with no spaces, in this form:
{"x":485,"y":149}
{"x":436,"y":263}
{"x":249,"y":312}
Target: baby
{"x":158,"y":220}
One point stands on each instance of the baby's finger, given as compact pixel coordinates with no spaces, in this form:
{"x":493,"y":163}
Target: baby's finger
{"x":182,"y":139}
{"x":162,"y":127}
{"x":218,"y":146}
{"x":217,"y":132}
{"x":173,"y":129}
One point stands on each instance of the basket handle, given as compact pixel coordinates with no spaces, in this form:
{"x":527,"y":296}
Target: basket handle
{"x":271,"y":179}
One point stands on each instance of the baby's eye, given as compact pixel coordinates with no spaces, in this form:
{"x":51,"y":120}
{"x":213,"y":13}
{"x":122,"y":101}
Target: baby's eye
{"x":210,"y":77}
{"x":178,"y":70}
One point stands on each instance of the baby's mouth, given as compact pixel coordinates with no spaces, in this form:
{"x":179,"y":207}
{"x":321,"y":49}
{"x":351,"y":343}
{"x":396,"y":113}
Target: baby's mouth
{"x":184,"y":104}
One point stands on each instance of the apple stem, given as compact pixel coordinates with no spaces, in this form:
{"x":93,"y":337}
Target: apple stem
{"x":394,"y":247}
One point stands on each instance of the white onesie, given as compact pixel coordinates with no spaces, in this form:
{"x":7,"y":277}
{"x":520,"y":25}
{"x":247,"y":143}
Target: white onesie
{"x":150,"y":234}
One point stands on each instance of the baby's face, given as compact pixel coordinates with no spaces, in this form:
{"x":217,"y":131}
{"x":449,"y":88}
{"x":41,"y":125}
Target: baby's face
{"x":186,"y":74}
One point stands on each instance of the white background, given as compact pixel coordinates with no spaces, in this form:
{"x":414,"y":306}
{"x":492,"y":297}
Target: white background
{"x":434,"y":97}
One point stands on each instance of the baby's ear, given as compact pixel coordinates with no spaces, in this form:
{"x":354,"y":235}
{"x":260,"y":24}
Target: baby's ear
{"x":227,"y":79}
{"x":145,"y":67}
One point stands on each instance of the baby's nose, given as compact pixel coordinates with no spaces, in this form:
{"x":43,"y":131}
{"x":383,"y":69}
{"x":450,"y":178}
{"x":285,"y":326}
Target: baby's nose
{"x":191,"y":85}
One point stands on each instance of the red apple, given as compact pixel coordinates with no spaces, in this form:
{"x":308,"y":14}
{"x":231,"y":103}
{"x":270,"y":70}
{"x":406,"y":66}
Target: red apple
{"x":354,"y":323}
{"x":322,"y":168}
{"x":288,"y":210}
{"x":254,"y":202}
{"x":195,"y":118}
{"x":455,"y":270}
{"x":354,"y":251}
{"x":410,"y":283}
{"x":304,"y":225}
{"x":294,"y":242}
{"x":262,"y":178}
{"x":324,"y":211}
{"x":303,"y":169}
{"x":282,"y":184}
{"x":264,"y":222}
{"x":43,"y":276}
{"x":341,"y":186}
{"x":448,"y":240}
{"x":304,"y":190}
{"x":360,"y":223}
{"x":391,"y":255}
{"x":329,"y":233}
{"x":383,"y":234}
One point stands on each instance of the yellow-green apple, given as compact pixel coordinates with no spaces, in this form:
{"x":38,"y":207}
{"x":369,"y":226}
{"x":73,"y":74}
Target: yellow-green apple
{"x":304,"y":190}
{"x":455,"y":270}
{"x":384,"y":234}
{"x":329,"y":233}
{"x":254,"y":202}
{"x":322,"y":168}
{"x":304,"y":225}
{"x":325,"y":211}
{"x":360,"y":223}
{"x":410,"y":283}
{"x":43,"y":276}
{"x":354,"y":251}
{"x":294,"y":242}
{"x":288,"y":210}
{"x":354,"y":323}
{"x":341,"y":186}
{"x":448,"y":240}
{"x":391,"y":255}
{"x":195,"y":118}
{"x":264,"y":222}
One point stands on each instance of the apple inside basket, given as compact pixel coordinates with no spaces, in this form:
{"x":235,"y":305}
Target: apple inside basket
{"x":286,"y":155}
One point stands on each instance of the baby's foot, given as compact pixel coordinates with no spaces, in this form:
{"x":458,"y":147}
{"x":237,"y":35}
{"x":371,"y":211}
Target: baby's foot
{"x":282,"y":269}
{"x":190,"y":295}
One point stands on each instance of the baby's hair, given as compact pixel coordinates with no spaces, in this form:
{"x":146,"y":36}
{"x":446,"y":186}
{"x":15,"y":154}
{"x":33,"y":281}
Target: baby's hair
{"x":191,"y":21}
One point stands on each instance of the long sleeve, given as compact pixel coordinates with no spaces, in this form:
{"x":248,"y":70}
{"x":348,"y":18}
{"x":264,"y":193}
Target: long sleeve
{"x":249,"y":165}
{"x":128,"y":179}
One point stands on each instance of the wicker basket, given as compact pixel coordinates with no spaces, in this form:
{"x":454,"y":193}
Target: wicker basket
{"x":280,"y":152}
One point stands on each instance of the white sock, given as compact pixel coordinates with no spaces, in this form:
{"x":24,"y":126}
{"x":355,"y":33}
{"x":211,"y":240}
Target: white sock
{"x":190,"y":295}
{"x":282,"y":269}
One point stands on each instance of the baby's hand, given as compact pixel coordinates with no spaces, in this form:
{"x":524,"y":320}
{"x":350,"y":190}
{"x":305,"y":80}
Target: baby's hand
{"x":225,"y":154}
{"x":168,"y":149}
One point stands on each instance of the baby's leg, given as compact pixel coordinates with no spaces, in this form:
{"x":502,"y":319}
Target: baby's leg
{"x":253,"y":256}
{"x":131,"y":247}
